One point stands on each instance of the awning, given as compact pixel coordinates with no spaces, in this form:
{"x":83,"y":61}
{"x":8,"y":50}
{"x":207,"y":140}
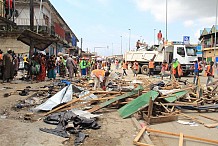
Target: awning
{"x":39,"y":42}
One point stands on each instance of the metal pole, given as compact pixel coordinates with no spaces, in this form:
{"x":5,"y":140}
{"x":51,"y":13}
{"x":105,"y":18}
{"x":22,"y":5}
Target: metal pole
{"x":40,"y":9}
{"x":154,"y":36}
{"x":166,"y":21}
{"x":112,"y":49}
{"x":121,"y":45}
{"x":129,"y":38}
{"x":215,"y":34}
{"x":31,"y":28}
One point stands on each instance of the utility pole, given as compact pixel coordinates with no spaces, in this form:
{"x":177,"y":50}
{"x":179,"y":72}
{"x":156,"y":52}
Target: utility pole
{"x":31,"y":51}
{"x":112,"y":49}
{"x":166,"y":22}
{"x":121,"y":45}
{"x":154,"y":36}
{"x":129,"y":37}
{"x":215,"y":33}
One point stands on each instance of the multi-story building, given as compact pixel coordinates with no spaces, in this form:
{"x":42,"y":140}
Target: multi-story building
{"x":47,"y":22}
{"x":207,"y":39}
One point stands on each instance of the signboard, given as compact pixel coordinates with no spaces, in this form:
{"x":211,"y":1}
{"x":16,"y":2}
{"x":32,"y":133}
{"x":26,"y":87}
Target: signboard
{"x":186,"y":39}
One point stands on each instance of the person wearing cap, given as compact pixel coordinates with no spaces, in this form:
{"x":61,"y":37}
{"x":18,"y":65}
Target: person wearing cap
{"x":164,"y":68}
{"x":196,"y":71}
{"x":209,"y":72}
{"x":100,"y":76}
{"x":7,"y":66}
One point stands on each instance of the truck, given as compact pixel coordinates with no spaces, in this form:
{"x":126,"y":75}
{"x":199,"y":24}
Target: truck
{"x":185,"y":54}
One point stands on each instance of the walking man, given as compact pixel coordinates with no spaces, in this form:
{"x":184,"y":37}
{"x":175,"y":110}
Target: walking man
{"x":70,"y":66}
{"x":125,"y":64}
{"x":210,"y":72}
{"x":7,"y":66}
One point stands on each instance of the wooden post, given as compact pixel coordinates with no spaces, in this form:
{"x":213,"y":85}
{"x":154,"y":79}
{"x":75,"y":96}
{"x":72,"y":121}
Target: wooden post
{"x":181,"y":139}
{"x":150,"y":109}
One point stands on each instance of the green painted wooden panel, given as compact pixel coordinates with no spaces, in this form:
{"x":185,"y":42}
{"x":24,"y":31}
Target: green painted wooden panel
{"x":135,"y":91}
{"x":138,"y":103}
{"x":175,"y":96}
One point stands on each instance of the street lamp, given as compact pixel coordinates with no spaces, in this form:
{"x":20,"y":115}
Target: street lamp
{"x":154,"y":36}
{"x":129,"y":37}
{"x":166,"y":21}
{"x":121,"y":44}
{"x":215,"y":34}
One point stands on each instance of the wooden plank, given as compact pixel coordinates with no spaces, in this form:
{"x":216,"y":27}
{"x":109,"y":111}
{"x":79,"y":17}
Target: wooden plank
{"x":150,"y":109}
{"x":161,"y":119}
{"x":165,"y":107}
{"x":208,"y":117}
{"x":129,"y":94}
{"x":69,"y":103}
{"x":139,"y":135}
{"x":142,"y":144}
{"x":193,"y":118}
{"x":181,"y":139}
{"x":145,"y":136}
{"x":185,"y":136}
{"x":211,"y":125}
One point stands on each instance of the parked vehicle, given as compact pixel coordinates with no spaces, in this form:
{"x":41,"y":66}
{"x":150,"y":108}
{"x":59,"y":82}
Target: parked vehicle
{"x":186,"y":54}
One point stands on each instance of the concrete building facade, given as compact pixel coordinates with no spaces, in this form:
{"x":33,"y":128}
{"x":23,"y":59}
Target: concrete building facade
{"x":207,"y":39}
{"x":48,"y":22}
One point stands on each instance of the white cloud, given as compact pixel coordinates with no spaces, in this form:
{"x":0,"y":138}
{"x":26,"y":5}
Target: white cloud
{"x":178,"y":9}
{"x":188,"y":23}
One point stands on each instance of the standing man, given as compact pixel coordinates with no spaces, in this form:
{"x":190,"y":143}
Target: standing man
{"x":210,"y":72}
{"x":138,"y":45}
{"x":117,"y":64}
{"x":196,"y":71}
{"x":125,"y":66}
{"x":151,"y":67}
{"x":176,"y":69}
{"x":159,"y":37}
{"x":83,"y":66}
{"x":135,"y":68}
{"x":70,"y":66}
{"x":7,"y":66}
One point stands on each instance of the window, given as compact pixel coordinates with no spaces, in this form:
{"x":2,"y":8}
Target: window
{"x":191,"y":51}
{"x":181,"y":51}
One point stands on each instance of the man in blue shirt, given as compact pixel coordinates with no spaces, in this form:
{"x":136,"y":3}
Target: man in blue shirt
{"x":196,"y":71}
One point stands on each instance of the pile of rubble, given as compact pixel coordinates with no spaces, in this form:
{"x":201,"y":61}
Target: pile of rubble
{"x":72,"y":106}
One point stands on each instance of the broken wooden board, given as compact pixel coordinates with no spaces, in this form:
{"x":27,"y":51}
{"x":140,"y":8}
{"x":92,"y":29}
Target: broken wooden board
{"x":104,"y":104}
{"x":138,"y":103}
{"x":175,"y":96}
{"x":161,"y":119}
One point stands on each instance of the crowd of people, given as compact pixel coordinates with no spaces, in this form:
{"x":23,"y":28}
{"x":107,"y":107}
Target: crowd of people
{"x":41,"y":65}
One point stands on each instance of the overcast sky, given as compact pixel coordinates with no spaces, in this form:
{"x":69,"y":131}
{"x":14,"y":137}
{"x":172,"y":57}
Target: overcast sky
{"x":101,"y":23}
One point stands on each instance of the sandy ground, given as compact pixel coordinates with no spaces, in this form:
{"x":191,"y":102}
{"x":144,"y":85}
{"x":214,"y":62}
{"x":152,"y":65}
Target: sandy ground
{"x":15,"y":131}
{"x":115,"y":131}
